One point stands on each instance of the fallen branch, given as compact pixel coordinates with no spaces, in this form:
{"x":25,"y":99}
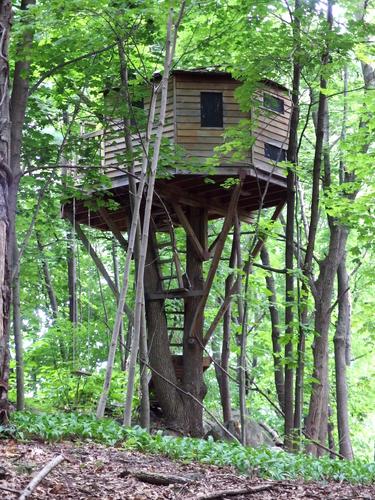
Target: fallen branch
{"x":161,"y":479}
{"x":40,"y":476}
{"x":232,"y":493}
{"x":11,"y":490}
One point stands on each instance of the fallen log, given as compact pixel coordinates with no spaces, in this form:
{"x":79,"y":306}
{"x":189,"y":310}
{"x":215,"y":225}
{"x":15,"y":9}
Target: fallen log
{"x":40,"y":476}
{"x":231,"y":493}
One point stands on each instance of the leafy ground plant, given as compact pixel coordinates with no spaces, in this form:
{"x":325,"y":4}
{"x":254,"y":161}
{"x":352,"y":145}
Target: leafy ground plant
{"x":265,"y":463}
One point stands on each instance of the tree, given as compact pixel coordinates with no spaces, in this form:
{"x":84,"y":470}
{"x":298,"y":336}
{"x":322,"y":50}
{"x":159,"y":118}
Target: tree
{"x":5,"y":181}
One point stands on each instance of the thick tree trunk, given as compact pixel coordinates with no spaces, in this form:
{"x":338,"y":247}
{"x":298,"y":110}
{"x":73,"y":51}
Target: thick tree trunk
{"x":167,"y":394}
{"x":275,"y":326}
{"x":192,"y":345}
{"x":340,"y":342}
{"x":317,"y":420}
{"x":5,"y":173}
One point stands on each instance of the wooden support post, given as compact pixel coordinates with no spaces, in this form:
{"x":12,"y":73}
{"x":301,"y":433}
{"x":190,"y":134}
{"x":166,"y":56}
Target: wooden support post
{"x":228,"y":222}
{"x":192,"y":350}
{"x":200,"y":251}
{"x":106,"y":216}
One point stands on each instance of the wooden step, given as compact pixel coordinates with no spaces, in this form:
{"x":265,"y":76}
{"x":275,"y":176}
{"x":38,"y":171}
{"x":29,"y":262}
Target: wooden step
{"x":176,"y":328}
{"x":169,"y":260}
{"x":165,"y":244}
{"x":177,"y":293}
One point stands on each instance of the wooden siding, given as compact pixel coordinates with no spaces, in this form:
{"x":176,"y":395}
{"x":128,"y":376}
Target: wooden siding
{"x":183,"y":124}
{"x":270,"y":127}
{"x":199,"y":142}
{"x":113,"y":144}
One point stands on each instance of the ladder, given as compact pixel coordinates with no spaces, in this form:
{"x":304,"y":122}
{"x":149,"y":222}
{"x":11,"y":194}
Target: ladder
{"x":173,"y":281}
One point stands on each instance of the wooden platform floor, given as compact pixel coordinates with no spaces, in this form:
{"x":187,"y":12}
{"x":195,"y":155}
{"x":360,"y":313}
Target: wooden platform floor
{"x":260,"y":190}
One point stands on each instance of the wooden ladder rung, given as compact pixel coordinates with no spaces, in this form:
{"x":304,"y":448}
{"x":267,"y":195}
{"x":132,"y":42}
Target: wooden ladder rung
{"x":175,"y":328}
{"x":175,"y":312}
{"x":165,"y":244}
{"x":164,"y":278}
{"x":169,"y":260}
{"x":175,"y":345}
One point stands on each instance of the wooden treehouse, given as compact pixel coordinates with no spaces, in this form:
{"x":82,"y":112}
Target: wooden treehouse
{"x":201,"y":107}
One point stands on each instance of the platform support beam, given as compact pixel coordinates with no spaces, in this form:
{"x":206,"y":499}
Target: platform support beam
{"x":227,"y":224}
{"x":193,"y":351}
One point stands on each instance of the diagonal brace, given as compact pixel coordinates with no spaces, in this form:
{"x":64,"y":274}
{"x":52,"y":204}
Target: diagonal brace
{"x":228,"y":222}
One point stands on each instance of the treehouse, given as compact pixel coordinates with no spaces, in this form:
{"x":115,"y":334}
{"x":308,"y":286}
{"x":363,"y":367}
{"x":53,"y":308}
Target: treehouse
{"x":201,"y":108}
{"x":205,"y":180}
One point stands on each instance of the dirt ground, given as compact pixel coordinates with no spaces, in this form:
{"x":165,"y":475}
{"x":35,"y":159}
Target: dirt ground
{"x":94,"y":471}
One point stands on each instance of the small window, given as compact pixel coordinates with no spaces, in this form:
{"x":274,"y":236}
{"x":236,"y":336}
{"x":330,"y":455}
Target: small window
{"x":273,"y":103}
{"x":211,"y":109}
{"x":274,"y":152}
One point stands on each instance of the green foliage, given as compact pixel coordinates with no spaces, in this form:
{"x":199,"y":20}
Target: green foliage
{"x":266,"y":463}
{"x":254,"y":40}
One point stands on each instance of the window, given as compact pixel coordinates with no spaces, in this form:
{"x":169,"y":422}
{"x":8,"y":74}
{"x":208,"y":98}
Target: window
{"x":273,"y":103}
{"x":274,"y":152}
{"x":211,"y":109}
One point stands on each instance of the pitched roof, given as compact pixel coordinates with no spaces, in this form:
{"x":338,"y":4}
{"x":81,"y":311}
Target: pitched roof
{"x":215,"y":73}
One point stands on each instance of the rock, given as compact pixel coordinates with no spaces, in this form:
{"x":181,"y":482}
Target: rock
{"x":257,"y":434}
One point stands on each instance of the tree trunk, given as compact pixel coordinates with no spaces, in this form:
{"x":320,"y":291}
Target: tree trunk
{"x":340,"y":340}
{"x":17,"y":332}
{"x":222,"y":369}
{"x":167,"y":395}
{"x":226,"y":400}
{"x":116,"y":274}
{"x":126,"y":275}
{"x":317,"y":419}
{"x":72,"y":277}
{"x":144,"y":375}
{"x":193,"y":341}
{"x":289,"y":233}
{"x":139,"y":296}
{"x":5,"y":172}
{"x":144,"y":392}
{"x":275,"y":325}
{"x":300,"y":370}
{"x":47,"y":279}
{"x":316,"y":422}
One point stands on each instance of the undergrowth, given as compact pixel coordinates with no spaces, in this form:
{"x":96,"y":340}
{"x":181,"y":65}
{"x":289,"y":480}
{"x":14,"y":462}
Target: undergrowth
{"x":263,"y":462}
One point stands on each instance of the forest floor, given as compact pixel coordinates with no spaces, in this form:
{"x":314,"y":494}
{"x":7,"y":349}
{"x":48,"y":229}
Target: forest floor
{"x":96,"y":471}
